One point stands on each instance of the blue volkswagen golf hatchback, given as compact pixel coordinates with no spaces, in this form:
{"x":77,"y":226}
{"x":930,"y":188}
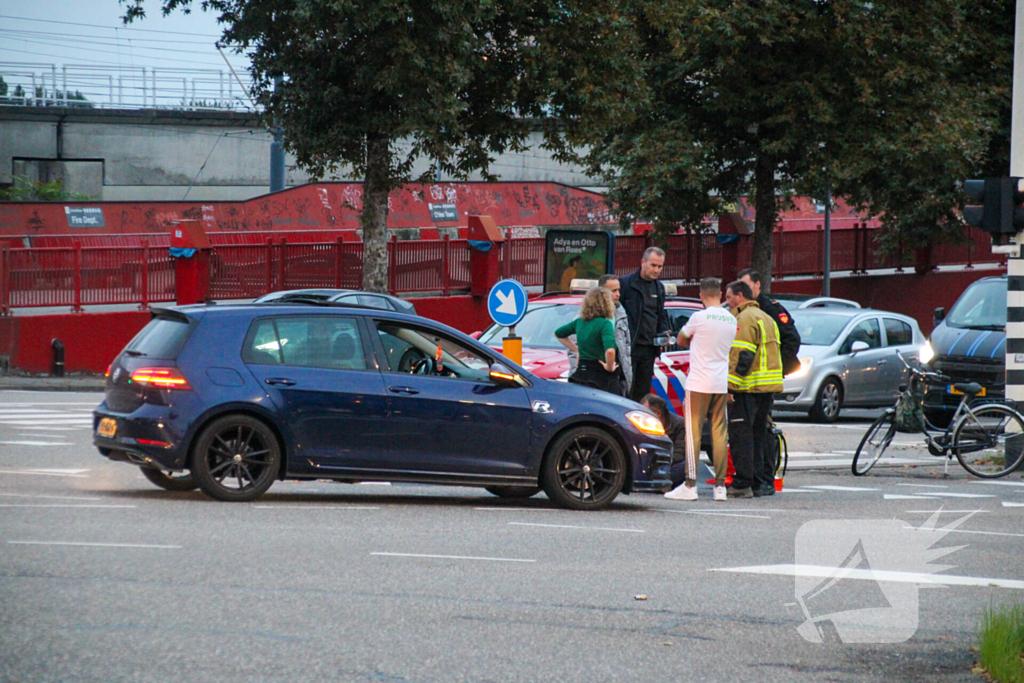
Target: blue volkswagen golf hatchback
{"x":231,"y":398}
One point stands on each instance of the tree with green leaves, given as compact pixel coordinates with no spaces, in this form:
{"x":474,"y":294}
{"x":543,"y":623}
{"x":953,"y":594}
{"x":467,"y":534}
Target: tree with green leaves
{"x":377,"y":84}
{"x":876,"y":101}
{"x":24,"y":190}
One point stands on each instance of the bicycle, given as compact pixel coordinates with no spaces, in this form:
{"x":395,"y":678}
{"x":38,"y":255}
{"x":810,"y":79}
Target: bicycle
{"x":986,"y":438}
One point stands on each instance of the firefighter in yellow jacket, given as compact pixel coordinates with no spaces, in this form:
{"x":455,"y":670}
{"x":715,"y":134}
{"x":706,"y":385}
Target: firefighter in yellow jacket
{"x":755,"y":375}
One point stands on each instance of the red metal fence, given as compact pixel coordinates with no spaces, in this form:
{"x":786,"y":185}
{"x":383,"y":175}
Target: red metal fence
{"x":76,"y":276}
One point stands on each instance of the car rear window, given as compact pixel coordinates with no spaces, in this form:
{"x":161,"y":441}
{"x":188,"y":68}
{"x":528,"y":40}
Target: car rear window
{"x":162,"y":338}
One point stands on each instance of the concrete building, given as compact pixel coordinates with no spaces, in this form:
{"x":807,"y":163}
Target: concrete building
{"x":166,"y":154}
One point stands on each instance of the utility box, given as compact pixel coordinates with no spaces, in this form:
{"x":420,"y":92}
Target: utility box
{"x":190,"y":248}
{"x":485,"y":240}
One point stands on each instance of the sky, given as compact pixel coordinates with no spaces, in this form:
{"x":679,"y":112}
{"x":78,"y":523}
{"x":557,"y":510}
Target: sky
{"x":89,"y":38}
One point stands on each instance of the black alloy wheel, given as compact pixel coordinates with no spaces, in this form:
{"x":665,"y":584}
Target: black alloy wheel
{"x":584,"y":469}
{"x":514,"y":491}
{"x":236,"y":458}
{"x":170,"y":481}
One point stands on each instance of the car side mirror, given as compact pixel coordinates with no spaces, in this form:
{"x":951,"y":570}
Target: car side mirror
{"x":939,"y":316}
{"x":859,"y":346}
{"x":502,"y":375}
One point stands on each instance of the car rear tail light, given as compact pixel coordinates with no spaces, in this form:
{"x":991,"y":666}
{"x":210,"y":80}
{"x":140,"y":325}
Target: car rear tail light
{"x":108,"y":370}
{"x":163,"y":378}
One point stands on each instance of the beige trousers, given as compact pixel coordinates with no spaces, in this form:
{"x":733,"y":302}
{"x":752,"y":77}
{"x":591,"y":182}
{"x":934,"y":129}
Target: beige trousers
{"x":697,"y":408}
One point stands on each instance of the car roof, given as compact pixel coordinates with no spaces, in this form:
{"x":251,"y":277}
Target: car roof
{"x":850,"y":312}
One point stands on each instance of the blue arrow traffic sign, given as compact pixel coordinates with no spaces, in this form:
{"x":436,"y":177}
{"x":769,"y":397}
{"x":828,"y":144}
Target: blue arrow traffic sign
{"x":507,"y":303}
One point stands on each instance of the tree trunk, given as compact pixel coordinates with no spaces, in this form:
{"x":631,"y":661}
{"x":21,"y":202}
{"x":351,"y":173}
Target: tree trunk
{"x":374,"y":218}
{"x":764,"y":223}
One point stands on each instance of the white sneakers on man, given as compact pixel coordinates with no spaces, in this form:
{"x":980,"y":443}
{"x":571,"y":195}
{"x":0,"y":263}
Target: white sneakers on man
{"x":683,"y":492}
{"x":720,"y":493}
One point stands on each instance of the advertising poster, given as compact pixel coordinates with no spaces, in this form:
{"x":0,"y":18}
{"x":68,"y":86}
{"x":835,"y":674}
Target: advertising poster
{"x":572,"y":254}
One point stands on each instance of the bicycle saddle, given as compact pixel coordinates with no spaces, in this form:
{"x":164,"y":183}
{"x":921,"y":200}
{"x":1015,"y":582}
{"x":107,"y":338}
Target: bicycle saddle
{"x":969,"y":388}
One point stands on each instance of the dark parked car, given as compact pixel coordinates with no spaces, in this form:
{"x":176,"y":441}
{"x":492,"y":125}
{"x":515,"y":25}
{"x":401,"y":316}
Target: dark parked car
{"x":231,"y":398}
{"x":349,"y":297}
{"x":968,"y":345}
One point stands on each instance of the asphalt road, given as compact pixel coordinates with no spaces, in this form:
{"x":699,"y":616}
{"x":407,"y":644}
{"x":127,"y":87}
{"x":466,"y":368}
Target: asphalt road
{"x":103,"y":577}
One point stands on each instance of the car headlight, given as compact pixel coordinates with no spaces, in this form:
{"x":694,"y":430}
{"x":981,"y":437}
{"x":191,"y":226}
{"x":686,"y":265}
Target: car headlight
{"x":646,"y":423}
{"x":926,"y":353}
{"x":803,"y":370}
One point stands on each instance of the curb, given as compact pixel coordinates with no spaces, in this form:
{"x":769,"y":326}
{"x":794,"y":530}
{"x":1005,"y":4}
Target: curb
{"x":52,"y":383}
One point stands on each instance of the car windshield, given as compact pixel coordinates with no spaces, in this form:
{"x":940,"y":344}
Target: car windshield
{"x":819,"y":328}
{"x":537,"y":328}
{"x":982,"y":306}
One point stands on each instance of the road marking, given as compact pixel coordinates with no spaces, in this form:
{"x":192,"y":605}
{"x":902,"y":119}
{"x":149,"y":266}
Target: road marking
{"x":45,"y":473}
{"x":1007,"y":504}
{"x":896,"y":496}
{"x":925,"y":486}
{"x":36,"y":443}
{"x":999,"y":483}
{"x":454,"y":557}
{"x":715,"y":514}
{"x":33,"y":495}
{"x":59,"y":505}
{"x":316,"y":507}
{"x":949,"y":494}
{"x":839,"y":488}
{"x":940,"y":511}
{"x":797,"y":490}
{"x":814,"y":571}
{"x":967,"y":531}
{"x":519,"y":509}
{"x":585,"y":528}
{"x":93,"y":545}
{"x":56,"y":429}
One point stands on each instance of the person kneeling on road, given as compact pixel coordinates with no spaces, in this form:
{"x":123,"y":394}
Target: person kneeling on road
{"x":675,"y":429}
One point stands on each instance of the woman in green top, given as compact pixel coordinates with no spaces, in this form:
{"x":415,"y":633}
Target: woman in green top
{"x":595,"y":342}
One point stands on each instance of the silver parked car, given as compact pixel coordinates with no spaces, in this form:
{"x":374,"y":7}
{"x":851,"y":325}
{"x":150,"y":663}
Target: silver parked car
{"x":847,"y":358}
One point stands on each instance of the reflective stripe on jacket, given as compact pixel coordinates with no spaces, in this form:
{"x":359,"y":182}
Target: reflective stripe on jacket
{"x":756,"y":333}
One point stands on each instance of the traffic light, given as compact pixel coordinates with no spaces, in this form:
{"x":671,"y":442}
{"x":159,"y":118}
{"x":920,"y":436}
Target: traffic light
{"x":999,"y":210}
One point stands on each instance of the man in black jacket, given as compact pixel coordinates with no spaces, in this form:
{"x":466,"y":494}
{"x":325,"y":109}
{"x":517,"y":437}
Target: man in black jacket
{"x":788,"y":335}
{"x":643,"y":297}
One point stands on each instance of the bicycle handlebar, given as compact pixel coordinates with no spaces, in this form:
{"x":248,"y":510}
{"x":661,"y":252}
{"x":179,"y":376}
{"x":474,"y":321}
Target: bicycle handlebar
{"x":929,"y":377}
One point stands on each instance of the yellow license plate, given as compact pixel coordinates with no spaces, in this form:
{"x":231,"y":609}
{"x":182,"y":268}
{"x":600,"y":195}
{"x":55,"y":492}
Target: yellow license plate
{"x":953,"y":390}
{"x":107,"y":428}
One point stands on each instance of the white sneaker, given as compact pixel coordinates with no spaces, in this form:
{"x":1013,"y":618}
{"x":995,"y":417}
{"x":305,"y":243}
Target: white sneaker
{"x":683,"y":492}
{"x":720,"y":493}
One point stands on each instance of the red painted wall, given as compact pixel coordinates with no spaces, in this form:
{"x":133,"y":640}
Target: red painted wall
{"x":324,"y":206}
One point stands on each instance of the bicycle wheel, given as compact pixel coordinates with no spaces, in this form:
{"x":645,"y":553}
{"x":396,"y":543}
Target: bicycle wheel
{"x":782,"y":455}
{"x":874,"y":443}
{"x":989,"y":440}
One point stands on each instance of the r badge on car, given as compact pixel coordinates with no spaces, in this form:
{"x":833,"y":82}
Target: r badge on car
{"x":542,"y":407}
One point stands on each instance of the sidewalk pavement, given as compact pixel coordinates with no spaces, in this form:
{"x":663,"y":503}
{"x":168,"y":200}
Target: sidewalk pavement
{"x":47,"y":383}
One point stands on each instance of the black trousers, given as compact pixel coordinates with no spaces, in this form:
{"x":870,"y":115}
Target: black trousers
{"x":643,"y":370}
{"x":748,"y":435}
{"x":592,"y":374}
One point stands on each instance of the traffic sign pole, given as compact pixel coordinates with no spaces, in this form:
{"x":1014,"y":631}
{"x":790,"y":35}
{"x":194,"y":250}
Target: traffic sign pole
{"x":1014,"y":263}
{"x":512,"y":346}
{"x":506,"y":304}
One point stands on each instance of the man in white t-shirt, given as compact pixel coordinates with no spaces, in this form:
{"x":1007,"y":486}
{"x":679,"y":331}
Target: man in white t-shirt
{"x":709,"y":335}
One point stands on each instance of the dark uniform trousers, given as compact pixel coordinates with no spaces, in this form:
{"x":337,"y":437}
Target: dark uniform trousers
{"x":748,"y":436}
{"x":643,"y":370}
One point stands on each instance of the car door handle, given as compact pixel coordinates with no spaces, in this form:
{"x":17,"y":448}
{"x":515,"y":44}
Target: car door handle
{"x":403,"y":390}
{"x":883,"y":362}
{"x":284,"y":381}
